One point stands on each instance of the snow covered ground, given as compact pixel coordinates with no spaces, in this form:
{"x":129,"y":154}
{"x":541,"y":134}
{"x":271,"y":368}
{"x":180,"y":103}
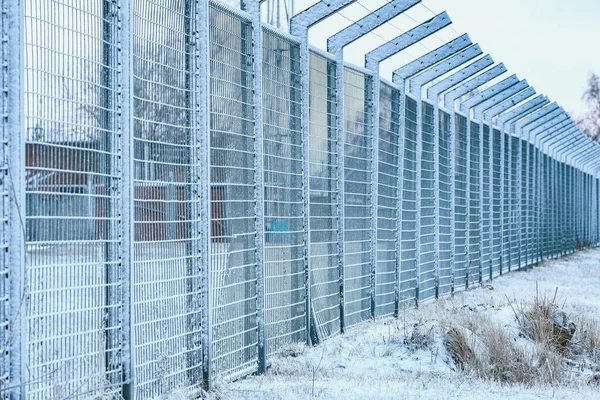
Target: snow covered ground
{"x":377,"y":360}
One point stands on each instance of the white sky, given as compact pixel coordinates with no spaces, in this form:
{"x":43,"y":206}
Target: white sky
{"x":551,"y":43}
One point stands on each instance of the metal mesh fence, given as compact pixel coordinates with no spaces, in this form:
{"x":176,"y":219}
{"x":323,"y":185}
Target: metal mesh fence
{"x":284,"y":241}
{"x":445,"y":207}
{"x":388,"y":203}
{"x":325,"y":287}
{"x":427,"y":273}
{"x":72,"y":328}
{"x":486,"y":208}
{"x":357,"y":200}
{"x":460,"y":203}
{"x":408,"y":198}
{"x":474,"y":235}
{"x":232,"y":266}
{"x":163,"y":204}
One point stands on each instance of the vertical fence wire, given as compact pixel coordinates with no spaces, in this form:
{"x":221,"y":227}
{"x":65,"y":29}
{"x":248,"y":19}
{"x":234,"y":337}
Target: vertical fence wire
{"x":5,"y":325}
{"x":474,"y":233}
{"x":531,"y":207}
{"x":357,"y":202}
{"x":460,"y":205}
{"x":445,"y":204}
{"x":72,"y":150}
{"x":324,"y":256}
{"x":514,"y":203}
{"x":427,"y":272}
{"x":505,"y":203}
{"x":408,"y":198}
{"x":284,"y":238}
{"x":388,"y":200}
{"x":486,"y":205}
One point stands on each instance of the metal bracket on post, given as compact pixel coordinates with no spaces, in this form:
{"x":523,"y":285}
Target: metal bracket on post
{"x":252,"y":7}
{"x":451,"y":96}
{"x":418,"y":73}
{"x":299,"y":26}
{"x":14,"y":125}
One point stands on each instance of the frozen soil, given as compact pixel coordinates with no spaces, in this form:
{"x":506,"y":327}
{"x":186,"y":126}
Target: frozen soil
{"x":405,"y":358}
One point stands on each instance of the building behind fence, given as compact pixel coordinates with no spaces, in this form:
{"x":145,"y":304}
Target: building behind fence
{"x":187,"y":191}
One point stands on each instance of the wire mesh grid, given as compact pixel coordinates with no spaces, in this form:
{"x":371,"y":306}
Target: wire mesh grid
{"x":357,"y":200}
{"x":73,"y":311}
{"x":460,"y":202}
{"x":233,"y":227}
{"x":531,"y":207}
{"x":486,"y":209}
{"x":474,"y":206}
{"x":427,"y":256}
{"x":388,"y":203}
{"x":445,"y":207}
{"x":505,"y":203}
{"x":324,"y":262}
{"x":284,"y":242}
{"x":408,"y":198}
{"x":165,"y":274}
{"x":524,"y":197}
{"x":496,"y":202}
{"x":514,"y":203}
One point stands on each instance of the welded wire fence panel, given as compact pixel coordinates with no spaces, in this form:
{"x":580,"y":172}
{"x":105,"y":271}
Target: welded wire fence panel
{"x":408,"y":198}
{"x":165,"y":274}
{"x":486,"y":209}
{"x":460,"y":202}
{"x":284,"y":235}
{"x":232,"y":262}
{"x":357,"y":200}
{"x":445,"y":205}
{"x":523,"y":211}
{"x":496,"y":201}
{"x":324,"y":259}
{"x":514,"y":203}
{"x":72,"y":316}
{"x":505,"y":203}
{"x":388,"y":203}
{"x":546,"y":212}
{"x":474,"y":206}
{"x":427,"y":273}
{"x":531,"y":208}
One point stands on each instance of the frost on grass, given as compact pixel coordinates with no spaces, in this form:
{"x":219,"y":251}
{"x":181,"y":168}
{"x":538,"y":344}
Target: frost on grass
{"x":409,"y":357}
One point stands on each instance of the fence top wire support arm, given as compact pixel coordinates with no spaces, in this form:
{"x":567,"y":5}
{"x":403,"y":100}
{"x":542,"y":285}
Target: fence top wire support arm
{"x":299,"y":27}
{"x":336,"y":45}
{"x":543,"y":124}
{"x":545,"y":114}
{"x":434,"y":91}
{"x":451,"y":96}
{"x":558,"y":140}
{"x":497,"y":110}
{"x":522,"y":110}
{"x":483,"y":99}
{"x":551,"y":135}
{"x":435,"y":63}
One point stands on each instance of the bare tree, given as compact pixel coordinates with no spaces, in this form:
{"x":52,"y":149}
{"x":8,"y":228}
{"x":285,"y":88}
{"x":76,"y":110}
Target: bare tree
{"x":589,"y":122}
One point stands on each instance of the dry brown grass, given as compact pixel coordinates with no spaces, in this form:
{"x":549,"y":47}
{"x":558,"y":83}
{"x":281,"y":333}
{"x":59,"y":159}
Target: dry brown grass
{"x":588,"y":336}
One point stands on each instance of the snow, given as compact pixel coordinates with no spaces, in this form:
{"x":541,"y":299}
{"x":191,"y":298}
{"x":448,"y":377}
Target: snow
{"x":372,"y":360}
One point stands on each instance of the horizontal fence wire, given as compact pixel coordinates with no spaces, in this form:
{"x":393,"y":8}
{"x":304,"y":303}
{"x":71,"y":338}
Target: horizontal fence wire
{"x":191,"y":293}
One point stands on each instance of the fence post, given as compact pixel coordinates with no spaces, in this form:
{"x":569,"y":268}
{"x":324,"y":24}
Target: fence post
{"x":125,"y":131}
{"x":201,"y":201}
{"x":14,"y":147}
{"x":252,"y":7}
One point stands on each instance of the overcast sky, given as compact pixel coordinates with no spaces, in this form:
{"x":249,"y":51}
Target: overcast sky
{"x":551,"y":43}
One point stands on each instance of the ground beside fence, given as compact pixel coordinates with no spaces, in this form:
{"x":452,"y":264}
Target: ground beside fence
{"x":386,"y":359}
